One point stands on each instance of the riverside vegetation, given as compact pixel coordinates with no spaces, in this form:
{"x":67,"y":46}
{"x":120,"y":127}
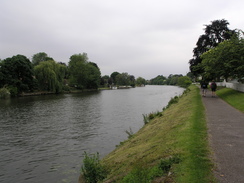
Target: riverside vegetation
{"x":232,"y":97}
{"x":172,"y":146}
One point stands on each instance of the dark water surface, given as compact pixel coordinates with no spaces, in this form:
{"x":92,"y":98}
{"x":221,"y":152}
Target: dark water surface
{"x":43,"y":138}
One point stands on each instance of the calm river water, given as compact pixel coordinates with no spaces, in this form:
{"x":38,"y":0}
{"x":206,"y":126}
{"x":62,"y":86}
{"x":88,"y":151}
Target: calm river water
{"x":43,"y":138}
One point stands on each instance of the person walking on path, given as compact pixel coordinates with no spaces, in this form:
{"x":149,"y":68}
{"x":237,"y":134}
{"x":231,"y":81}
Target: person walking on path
{"x":213,"y":87}
{"x":204,"y":87}
{"x":226,"y":135}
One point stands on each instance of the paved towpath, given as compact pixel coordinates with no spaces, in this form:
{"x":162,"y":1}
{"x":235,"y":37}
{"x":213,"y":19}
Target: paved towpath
{"x":226,"y":132}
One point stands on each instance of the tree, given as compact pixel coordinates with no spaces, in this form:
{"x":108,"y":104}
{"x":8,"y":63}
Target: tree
{"x":17,"y":72}
{"x":113,"y":77}
{"x":93,"y":76}
{"x":40,"y":57}
{"x":184,"y":81}
{"x":226,"y":60}
{"x":159,"y":80}
{"x":83,"y":74}
{"x":215,"y":33}
{"x":173,"y":79}
{"x":77,"y":66}
{"x":140,"y":81}
{"x":105,"y":80}
{"x":132,"y":80}
{"x":123,"y":79}
{"x":50,"y":75}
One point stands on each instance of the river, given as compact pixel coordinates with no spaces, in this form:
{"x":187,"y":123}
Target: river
{"x":43,"y":138}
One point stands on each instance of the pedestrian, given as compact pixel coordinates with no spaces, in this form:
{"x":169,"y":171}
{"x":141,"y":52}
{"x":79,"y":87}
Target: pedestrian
{"x":213,"y":87}
{"x":204,"y":87}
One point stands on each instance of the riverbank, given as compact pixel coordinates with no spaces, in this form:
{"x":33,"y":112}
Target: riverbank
{"x":38,"y":93}
{"x":232,"y":97}
{"x":180,"y":133}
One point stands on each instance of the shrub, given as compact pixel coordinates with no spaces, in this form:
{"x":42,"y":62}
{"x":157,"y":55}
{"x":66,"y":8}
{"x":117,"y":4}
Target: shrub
{"x":186,"y":91}
{"x":165,"y":164}
{"x":130,"y":133}
{"x":173,"y":101}
{"x":13,"y":91}
{"x":4,"y":93}
{"x":151,"y":116}
{"x":184,"y":81}
{"x":66,"y":88}
{"x":93,"y":171}
{"x":145,"y":118}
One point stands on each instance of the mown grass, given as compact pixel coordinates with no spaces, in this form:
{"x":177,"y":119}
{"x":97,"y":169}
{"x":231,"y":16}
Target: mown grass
{"x":179,"y":132}
{"x":232,"y":97}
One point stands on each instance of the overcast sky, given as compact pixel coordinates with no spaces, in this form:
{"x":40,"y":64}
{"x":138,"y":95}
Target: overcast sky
{"x":141,"y":37}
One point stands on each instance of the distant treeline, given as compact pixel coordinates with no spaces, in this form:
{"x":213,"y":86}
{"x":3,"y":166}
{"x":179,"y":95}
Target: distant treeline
{"x":177,"y":79}
{"x":43,"y":74}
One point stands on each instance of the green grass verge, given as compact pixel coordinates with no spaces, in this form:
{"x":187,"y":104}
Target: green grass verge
{"x":232,"y":97}
{"x":180,"y":132}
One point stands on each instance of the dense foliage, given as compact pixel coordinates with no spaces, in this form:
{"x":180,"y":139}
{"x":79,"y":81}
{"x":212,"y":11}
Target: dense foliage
{"x":92,"y":170}
{"x":19,"y":75}
{"x":124,"y":79}
{"x":50,"y":75}
{"x":40,"y":57}
{"x":215,"y":33}
{"x":177,"y":79}
{"x":16,"y":73}
{"x":140,"y":81}
{"x":83,"y":74}
{"x":225,"y":60}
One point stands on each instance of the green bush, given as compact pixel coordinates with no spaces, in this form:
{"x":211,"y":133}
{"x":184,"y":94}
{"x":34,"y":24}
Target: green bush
{"x":145,"y":118}
{"x":150,"y":116}
{"x":13,"y":91}
{"x":165,"y":164}
{"x":66,"y":88}
{"x":4,"y":93}
{"x":130,"y":133}
{"x":173,"y":101}
{"x":93,"y":171}
{"x":184,"y":81}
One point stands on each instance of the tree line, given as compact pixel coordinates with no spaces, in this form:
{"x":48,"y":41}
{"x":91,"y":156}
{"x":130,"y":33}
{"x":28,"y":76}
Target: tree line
{"x":172,"y":79}
{"x":20,"y":75}
{"x":219,"y":53}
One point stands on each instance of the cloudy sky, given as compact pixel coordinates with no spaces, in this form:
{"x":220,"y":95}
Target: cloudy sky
{"x":141,"y":37}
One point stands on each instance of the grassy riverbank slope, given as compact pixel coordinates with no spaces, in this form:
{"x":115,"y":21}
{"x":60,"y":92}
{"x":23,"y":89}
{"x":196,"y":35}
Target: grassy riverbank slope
{"x":232,"y":97}
{"x":177,"y":142}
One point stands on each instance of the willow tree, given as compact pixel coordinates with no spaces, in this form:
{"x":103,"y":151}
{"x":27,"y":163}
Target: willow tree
{"x":50,"y":75}
{"x":40,"y":57}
